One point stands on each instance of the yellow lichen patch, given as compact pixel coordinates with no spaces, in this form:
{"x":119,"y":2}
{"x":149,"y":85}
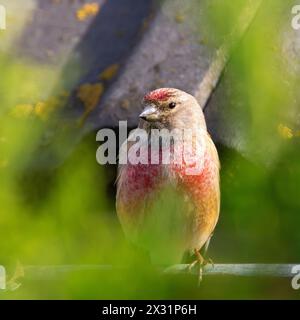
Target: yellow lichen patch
{"x":285,"y":132}
{"x":40,"y":110}
{"x":109,"y":72}
{"x":179,"y":18}
{"x":125,"y":104}
{"x":22,"y":110}
{"x":43,"y":109}
{"x":87,"y":10}
{"x":90,"y":95}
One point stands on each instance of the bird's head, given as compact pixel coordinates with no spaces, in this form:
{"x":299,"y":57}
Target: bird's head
{"x":171,"y":108}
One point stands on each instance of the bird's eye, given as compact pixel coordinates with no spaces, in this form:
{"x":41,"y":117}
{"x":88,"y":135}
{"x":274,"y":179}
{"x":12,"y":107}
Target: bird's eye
{"x":172,"y":105}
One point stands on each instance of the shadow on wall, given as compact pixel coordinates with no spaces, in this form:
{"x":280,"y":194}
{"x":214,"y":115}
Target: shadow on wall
{"x":56,"y":36}
{"x":80,"y":51}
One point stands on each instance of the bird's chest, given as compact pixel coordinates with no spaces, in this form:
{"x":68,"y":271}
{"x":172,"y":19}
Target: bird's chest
{"x":140,"y":180}
{"x":145,"y":182}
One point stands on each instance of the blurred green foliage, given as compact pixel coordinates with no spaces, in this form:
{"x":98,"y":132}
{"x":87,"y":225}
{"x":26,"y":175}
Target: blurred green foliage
{"x":66,"y":215}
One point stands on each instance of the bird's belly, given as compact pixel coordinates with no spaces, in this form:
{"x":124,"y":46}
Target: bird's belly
{"x":159,"y":212}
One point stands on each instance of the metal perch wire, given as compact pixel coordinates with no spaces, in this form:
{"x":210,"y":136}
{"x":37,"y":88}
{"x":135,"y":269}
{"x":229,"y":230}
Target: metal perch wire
{"x":249,"y":269}
{"x":52,"y":272}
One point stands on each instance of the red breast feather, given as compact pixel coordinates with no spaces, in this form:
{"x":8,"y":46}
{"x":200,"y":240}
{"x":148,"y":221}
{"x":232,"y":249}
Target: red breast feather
{"x":141,"y":186}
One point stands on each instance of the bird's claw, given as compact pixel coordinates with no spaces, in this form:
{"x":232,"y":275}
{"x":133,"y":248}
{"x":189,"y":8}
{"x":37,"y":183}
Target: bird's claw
{"x":13,"y":283}
{"x":202,"y":263}
{"x":209,"y":261}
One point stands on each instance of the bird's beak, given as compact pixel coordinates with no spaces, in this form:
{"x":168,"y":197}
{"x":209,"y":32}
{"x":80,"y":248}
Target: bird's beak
{"x":150,"y":113}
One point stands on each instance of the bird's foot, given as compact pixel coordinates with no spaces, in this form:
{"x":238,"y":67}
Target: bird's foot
{"x":201,"y":262}
{"x":14,"y":282}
